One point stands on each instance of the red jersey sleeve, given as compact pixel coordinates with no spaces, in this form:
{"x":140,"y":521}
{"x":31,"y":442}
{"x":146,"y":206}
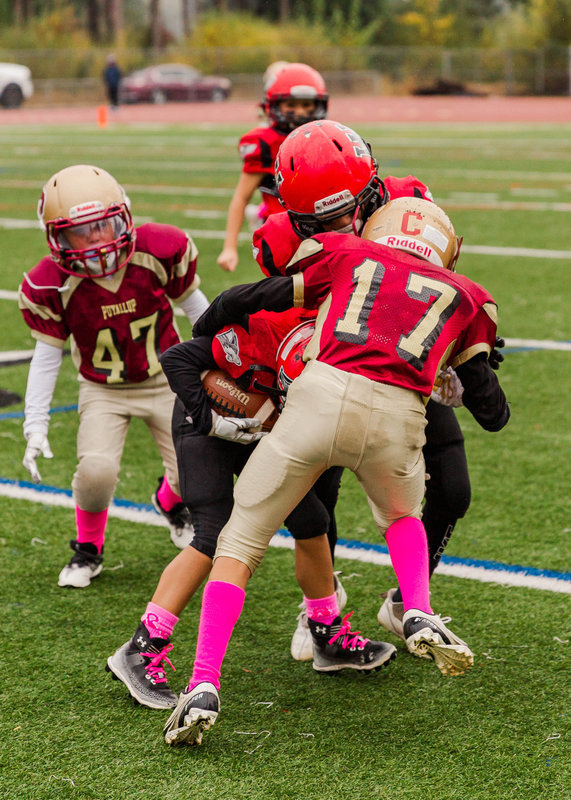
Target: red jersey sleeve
{"x":406,"y":187}
{"x":258,"y":150}
{"x":480,"y":335}
{"x":275,"y":243}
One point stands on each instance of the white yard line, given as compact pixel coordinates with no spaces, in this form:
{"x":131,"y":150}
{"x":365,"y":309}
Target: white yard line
{"x":470,"y":569}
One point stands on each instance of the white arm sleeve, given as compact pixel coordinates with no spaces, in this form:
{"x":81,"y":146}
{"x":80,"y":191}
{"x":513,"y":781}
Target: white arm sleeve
{"x":194,"y":305}
{"x":42,"y":377}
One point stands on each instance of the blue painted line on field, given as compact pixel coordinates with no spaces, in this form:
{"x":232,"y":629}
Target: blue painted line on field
{"x":20,"y":414}
{"x":352,"y":544}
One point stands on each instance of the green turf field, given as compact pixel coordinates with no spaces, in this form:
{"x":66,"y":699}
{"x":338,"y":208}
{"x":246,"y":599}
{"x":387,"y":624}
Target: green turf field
{"x":405,"y":733}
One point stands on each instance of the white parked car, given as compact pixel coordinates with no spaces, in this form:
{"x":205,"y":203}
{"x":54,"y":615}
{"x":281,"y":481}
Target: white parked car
{"x":15,"y":85}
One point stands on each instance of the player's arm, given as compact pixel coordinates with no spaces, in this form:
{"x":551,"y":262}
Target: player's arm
{"x":271,"y":294}
{"x":42,"y":377}
{"x":245,"y":188}
{"x":183,"y":365}
{"x":483,"y":396}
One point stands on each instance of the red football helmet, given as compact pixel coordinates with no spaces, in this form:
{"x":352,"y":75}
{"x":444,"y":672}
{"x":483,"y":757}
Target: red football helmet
{"x":325,"y":170}
{"x":294,"y":81}
{"x":88,"y":225}
{"x":289,"y":357}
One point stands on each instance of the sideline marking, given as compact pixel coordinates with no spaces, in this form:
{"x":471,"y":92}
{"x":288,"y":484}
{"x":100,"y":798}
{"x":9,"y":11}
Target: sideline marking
{"x":467,"y":568}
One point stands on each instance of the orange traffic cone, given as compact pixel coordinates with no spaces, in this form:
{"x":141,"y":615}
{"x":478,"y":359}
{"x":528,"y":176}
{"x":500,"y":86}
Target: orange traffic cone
{"x":102,"y":117}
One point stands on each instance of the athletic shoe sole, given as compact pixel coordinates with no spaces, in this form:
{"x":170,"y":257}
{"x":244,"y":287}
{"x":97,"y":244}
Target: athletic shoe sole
{"x":451,"y":659}
{"x":388,"y":654}
{"x":118,"y":675}
{"x":196,"y":723}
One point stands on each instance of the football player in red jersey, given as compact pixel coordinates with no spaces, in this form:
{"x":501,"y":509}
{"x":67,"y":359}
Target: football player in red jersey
{"x":294,"y":94}
{"x":108,"y":287}
{"x":211,"y":450}
{"x":328,"y":181}
{"x":391,"y":314}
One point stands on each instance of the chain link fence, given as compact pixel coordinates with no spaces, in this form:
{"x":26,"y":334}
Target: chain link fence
{"x":63,"y":77}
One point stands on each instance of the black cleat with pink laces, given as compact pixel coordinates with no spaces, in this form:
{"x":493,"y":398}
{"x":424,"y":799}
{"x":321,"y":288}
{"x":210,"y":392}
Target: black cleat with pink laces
{"x":337,"y":647}
{"x":140,"y":665}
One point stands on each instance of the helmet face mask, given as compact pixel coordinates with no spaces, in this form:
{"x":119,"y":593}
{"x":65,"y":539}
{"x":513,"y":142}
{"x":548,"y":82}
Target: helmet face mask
{"x":294,"y":82}
{"x":92,"y":260}
{"x":417,"y":227}
{"x":88,"y":225}
{"x":324,"y":171}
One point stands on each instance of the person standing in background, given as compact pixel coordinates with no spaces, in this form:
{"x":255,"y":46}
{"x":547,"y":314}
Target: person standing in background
{"x":112,"y":79}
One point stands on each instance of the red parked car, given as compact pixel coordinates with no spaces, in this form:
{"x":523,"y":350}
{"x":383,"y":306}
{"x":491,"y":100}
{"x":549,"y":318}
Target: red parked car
{"x":172,"y":82}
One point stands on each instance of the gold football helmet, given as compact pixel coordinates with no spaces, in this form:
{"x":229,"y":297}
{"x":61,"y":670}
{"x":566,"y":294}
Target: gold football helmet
{"x":88,"y":225}
{"x":417,"y":227}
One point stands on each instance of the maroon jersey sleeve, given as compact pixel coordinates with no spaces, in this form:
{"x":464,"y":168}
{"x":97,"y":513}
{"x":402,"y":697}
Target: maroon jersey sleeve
{"x":171,"y":254}
{"x":275,"y":243}
{"x":406,"y":187}
{"x":390,"y":316}
{"x":258,"y":149}
{"x":41,"y":302}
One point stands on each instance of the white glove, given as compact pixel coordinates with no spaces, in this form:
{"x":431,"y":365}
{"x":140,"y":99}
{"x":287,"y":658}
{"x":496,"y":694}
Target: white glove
{"x":448,"y":389}
{"x":37,"y":443}
{"x":235,"y":429}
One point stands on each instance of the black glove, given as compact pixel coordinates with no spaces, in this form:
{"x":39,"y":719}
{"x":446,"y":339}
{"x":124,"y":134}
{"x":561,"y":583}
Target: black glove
{"x":495,"y":358}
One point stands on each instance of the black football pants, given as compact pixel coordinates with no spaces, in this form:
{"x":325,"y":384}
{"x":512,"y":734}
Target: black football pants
{"x":207,"y":466}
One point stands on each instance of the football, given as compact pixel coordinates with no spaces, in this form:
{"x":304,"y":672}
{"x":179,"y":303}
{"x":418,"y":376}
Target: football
{"x":229,"y":400}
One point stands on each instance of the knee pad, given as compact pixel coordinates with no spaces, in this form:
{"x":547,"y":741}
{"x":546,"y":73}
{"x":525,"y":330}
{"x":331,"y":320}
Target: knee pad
{"x":94,"y":482}
{"x":309,"y":518}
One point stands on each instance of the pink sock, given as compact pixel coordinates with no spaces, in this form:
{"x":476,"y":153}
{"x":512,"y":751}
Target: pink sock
{"x":167,"y":498}
{"x":221,"y":607}
{"x":158,"y":621}
{"x":91,"y":527}
{"x":408,"y":549}
{"x":324,"y":609}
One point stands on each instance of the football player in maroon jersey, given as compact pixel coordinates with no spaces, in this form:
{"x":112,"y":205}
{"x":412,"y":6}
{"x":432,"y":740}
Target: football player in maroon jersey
{"x":328,"y":181}
{"x":293,"y":94}
{"x":211,"y":450}
{"x":391,"y":314}
{"x":106,"y":286}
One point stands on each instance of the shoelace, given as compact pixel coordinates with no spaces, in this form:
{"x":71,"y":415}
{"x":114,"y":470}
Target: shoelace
{"x":155,"y":666}
{"x":350,"y":638}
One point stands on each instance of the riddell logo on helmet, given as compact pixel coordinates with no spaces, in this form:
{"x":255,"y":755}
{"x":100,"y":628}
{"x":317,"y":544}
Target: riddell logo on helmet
{"x":332,"y":200}
{"x":85,"y":208}
{"x":401,"y":243}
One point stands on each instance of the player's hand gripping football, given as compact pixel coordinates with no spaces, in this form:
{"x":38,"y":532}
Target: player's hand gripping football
{"x":495,"y":358}
{"x":236,"y":429}
{"x":37,"y":445}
